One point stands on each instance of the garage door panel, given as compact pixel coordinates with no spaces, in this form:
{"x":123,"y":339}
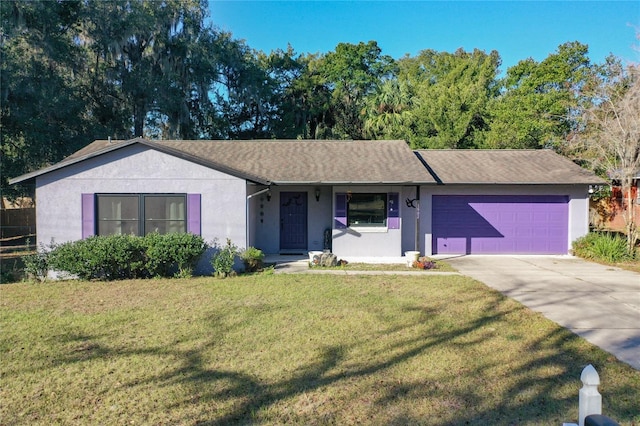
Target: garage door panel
{"x":452,"y":245}
{"x":500,"y":224}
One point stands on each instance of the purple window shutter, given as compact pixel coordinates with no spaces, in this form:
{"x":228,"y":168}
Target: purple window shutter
{"x":393,"y":211}
{"x":193,"y":214}
{"x":340,"y":219}
{"x":88,"y":215}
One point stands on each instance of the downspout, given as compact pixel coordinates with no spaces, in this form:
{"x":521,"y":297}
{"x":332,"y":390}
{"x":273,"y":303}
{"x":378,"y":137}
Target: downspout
{"x":246,"y":213}
{"x":417,"y":241}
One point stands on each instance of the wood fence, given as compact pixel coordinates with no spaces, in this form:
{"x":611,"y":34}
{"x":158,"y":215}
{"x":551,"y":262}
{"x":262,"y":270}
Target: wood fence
{"x":17,"y":229}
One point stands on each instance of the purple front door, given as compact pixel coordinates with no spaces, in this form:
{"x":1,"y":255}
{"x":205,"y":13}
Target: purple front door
{"x":293,"y":221}
{"x":493,"y":224}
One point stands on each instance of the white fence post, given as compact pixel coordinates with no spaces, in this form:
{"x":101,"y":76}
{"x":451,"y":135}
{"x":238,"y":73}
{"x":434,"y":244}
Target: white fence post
{"x":589,"y":399}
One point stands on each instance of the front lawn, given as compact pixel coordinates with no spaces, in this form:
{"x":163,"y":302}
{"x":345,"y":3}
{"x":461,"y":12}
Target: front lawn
{"x":300,"y":349}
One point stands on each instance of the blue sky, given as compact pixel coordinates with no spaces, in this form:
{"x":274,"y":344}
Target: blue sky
{"x":516,"y":29}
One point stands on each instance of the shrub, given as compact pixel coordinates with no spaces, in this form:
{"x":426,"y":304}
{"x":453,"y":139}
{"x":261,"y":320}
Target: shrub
{"x":36,"y":265}
{"x":102,"y":257}
{"x":173,"y":254}
{"x":602,"y":246}
{"x":12,"y":269}
{"x":73,"y":257}
{"x":7,"y":276}
{"x":611,"y":248}
{"x":127,"y":256}
{"x":252,"y":258}
{"x":223,"y":259}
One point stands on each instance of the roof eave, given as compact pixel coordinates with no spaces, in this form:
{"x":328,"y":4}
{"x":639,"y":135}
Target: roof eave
{"x":594,"y":182}
{"x":351,"y":182}
{"x":65,"y":163}
{"x":22,"y":179}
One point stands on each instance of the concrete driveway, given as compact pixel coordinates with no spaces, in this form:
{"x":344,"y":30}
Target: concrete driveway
{"x":599,"y":303}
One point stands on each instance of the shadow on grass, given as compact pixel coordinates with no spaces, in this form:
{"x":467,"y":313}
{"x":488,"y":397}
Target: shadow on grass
{"x":525,"y":402}
{"x":247,"y":399}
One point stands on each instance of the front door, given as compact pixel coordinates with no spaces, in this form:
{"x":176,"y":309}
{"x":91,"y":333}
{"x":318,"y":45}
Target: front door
{"x":293,"y":221}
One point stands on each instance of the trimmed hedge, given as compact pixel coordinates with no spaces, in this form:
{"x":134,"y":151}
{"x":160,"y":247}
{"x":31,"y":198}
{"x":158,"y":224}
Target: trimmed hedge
{"x":125,"y":256}
{"x":169,"y":252}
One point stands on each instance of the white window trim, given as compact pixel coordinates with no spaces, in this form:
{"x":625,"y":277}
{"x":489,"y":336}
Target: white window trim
{"x":369,"y":229}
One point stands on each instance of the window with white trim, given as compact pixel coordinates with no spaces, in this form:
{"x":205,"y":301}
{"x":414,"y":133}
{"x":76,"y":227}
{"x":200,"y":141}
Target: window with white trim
{"x":373,"y":210}
{"x":367,"y":209}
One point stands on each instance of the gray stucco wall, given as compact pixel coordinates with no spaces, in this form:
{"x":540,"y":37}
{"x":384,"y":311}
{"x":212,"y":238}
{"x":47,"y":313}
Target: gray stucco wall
{"x":373,"y":242}
{"x":265,"y":227}
{"x":137,"y":169}
{"x":578,"y":204}
{"x":409,"y":218}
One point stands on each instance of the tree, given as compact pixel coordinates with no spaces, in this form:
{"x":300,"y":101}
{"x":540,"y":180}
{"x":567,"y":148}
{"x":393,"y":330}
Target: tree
{"x":609,"y":138}
{"x":304,"y":95}
{"x":43,"y":112}
{"x":538,"y":101}
{"x":77,"y":70}
{"x":352,"y":72}
{"x":143,"y":58}
{"x":281,"y":69}
{"x":449,"y":92}
{"x":389,"y":111}
{"x":242,"y":89}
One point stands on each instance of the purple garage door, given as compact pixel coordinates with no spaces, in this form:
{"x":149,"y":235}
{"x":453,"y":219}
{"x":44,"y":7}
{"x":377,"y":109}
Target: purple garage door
{"x":495,"y":224}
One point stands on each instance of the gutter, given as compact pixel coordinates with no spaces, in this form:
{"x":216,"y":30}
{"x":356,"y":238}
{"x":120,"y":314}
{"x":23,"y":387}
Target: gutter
{"x":352,"y":182}
{"x":246,"y":214}
{"x":417,"y":240}
{"x":524,"y":183}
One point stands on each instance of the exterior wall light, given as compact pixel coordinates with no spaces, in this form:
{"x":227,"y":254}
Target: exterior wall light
{"x":317,"y":194}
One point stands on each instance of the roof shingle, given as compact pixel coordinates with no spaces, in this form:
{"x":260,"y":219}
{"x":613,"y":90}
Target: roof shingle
{"x":354,"y":162}
{"x":283,"y":161}
{"x":505,"y":166}
{"x":316,"y":162}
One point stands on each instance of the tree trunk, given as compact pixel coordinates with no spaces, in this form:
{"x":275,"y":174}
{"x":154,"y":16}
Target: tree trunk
{"x":630,"y":218}
{"x":139,"y":113}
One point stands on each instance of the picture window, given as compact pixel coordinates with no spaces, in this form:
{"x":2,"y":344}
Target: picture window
{"x":367,"y":210}
{"x":141,"y":214}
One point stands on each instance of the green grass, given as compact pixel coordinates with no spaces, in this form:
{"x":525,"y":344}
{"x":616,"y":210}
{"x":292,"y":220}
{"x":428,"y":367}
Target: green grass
{"x":299,"y":349}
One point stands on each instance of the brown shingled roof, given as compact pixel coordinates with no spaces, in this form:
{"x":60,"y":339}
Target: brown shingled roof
{"x":505,"y":166}
{"x":317,"y":161}
{"x":354,"y":162}
{"x":282,"y":161}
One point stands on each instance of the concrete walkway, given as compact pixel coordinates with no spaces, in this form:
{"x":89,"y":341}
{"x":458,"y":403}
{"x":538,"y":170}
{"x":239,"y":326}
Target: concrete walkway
{"x":599,"y":303}
{"x":298,"y":264}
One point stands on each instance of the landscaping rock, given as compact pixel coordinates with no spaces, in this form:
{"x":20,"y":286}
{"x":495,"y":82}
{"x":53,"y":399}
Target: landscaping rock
{"x":328,"y":260}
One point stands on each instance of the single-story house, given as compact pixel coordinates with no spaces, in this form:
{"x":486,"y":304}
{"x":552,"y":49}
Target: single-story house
{"x":360,"y":199}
